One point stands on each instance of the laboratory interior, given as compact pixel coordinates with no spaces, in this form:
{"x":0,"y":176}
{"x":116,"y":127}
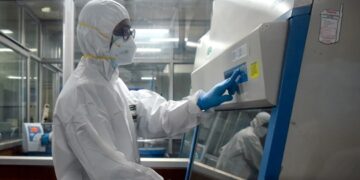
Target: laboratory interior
{"x":295,"y":114}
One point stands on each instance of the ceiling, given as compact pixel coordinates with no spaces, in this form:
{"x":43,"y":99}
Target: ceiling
{"x":184,"y":20}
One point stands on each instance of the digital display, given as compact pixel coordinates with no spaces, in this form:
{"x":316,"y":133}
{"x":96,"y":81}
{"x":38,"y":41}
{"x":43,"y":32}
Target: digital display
{"x":33,"y":130}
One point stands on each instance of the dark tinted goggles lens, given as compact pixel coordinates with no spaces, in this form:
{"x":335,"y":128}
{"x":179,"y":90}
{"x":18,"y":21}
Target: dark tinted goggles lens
{"x":266,"y":125}
{"x":125,"y":32}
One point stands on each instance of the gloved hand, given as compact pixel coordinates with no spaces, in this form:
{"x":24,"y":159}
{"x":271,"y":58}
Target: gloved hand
{"x":215,"y":96}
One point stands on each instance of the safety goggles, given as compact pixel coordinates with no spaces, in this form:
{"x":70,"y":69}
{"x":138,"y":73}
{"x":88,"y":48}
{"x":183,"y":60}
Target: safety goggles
{"x":124,"y":32}
{"x":265,"y":125}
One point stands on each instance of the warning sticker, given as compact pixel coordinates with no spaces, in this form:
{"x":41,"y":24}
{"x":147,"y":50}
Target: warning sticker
{"x":254,"y":70}
{"x":330,"y":25}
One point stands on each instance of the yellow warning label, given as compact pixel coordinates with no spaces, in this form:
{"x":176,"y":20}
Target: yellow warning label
{"x":254,"y":70}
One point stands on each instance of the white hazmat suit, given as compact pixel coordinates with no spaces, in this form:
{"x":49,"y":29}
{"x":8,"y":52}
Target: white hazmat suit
{"x":94,"y":134}
{"x":241,"y":156}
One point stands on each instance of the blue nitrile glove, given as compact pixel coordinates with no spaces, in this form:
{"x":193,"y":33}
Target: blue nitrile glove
{"x":215,"y":96}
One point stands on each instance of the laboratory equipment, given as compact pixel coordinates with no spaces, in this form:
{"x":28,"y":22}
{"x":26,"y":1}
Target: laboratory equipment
{"x":315,"y":89}
{"x":36,"y":139}
{"x":268,"y":51}
{"x":152,"y":147}
{"x":259,"y":57}
{"x":322,"y":142}
{"x":152,"y":152}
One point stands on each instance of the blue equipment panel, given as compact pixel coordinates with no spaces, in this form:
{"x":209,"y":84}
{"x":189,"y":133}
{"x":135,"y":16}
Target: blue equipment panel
{"x":243,"y":73}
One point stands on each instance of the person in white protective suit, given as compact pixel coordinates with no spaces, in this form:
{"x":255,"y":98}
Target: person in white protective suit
{"x":93,"y":132}
{"x":241,"y":156}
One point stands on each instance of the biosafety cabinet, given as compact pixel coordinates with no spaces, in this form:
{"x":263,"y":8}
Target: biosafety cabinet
{"x":299,"y":61}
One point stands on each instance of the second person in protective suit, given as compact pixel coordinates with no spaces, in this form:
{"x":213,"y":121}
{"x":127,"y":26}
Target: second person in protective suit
{"x":241,"y":156}
{"x":94,"y":135}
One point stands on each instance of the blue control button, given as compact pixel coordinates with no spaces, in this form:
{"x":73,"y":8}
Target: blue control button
{"x":45,"y":139}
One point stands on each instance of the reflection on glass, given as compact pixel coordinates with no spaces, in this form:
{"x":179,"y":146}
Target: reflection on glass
{"x":9,"y":19}
{"x":182,"y":80}
{"x":34,"y":91}
{"x":12,"y":93}
{"x":31,"y":33}
{"x":153,"y":76}
{"x":241,"y":155}
{"x":186,"y":144}
{"x":232,"y":141}
{"x":155,"y":43}
{"x":48,"y":92}
{"x":52,"y":40}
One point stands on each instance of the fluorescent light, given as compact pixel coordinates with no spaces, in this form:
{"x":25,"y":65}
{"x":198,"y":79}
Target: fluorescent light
{"x":186,"y":39}
{"x":16,"y":77}
{"x":180,"y":68}
{"x":148,"y":78}
{"x":145,"y":42}
{"x":283,"y":7}
{"x":33,"y":50}
{"x":148,"y":50}
{"x":6,"y":31}
{"x":19,"y":77}
{"x":164,"y":40}
{"x":192,"y":44}
{"x":46,"y":9}
{"x":6,"y":50}
{"x":158,"y":40}
{"x":152,"y":31}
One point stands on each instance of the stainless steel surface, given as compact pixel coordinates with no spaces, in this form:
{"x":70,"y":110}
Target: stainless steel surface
{"x":171,"y":80}
{"x":26,"y":160}
{"x":14,"y":45}
{"x":48,"y":161}
{"x":34,"y":57}
{"x":40,"y":112}
{"x":323,"y":138}
{"x":164,"y":162}
{"x":10,"y":144}
{"x":28,"y":102}
{"x":213,"y":172}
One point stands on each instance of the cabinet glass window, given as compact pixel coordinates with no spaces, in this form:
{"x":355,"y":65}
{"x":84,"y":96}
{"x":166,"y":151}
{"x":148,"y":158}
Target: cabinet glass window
{"x":12,"y":93}
{"x":48,"y":93}
{"x":229,"y":142}
{"x":31,"y":33}
{"x":10,"y":19}
{"x":152,"y":76}
{"x":52,"y":40}
{"x":181,"y":87}
{"x":34,"y":91}
{"x":182,"y":80}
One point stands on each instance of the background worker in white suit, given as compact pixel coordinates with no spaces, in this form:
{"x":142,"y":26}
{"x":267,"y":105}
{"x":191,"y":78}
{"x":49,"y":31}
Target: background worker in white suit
{"x":241,"y":156}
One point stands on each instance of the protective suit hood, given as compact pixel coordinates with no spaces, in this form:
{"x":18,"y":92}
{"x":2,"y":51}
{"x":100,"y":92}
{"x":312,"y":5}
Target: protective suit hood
{"x":97,"y":21}
{"x":258,"y":122}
